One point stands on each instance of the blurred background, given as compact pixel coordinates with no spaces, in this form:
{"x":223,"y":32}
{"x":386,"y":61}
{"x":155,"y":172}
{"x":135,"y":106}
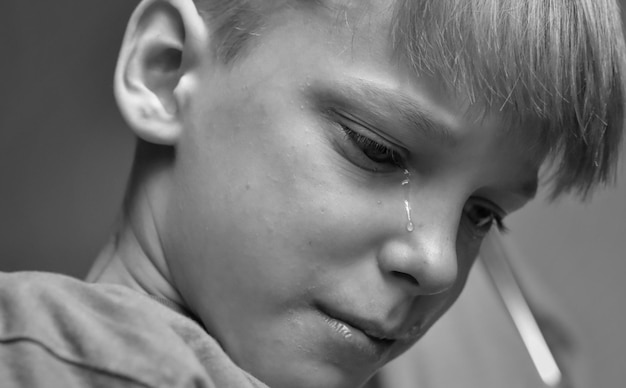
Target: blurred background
{"x":65,"y":155}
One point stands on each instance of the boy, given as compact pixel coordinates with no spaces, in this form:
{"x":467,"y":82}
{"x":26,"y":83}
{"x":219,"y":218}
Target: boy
{"x":312,"y":183}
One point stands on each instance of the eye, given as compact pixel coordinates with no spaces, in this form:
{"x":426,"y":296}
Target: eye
{"x":371,"y":154}
{"x":482,"y":215}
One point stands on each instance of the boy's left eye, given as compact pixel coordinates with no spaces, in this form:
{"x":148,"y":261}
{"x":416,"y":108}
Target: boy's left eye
{"x":483,"y":215}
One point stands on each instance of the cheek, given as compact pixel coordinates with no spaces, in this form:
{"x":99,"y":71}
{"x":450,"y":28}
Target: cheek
{"x":255,"y":197}
{"x":467,"y":251}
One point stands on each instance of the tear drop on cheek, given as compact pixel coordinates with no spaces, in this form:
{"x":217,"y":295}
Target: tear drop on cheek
{"x":406,"y":184}
{"x":409,"y":224}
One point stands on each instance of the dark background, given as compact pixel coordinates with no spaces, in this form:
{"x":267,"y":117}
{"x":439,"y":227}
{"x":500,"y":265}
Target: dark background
{"x":64,"y":149}
{"x":65,"y":154}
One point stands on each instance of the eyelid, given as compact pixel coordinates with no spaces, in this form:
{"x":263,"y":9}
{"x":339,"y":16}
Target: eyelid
{"x":499,"y":214}
{"x":490,"y":204}
{"x":371,"y":133}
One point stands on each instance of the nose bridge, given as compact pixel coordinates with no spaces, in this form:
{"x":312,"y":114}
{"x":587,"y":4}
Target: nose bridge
{"x":425,"y":260}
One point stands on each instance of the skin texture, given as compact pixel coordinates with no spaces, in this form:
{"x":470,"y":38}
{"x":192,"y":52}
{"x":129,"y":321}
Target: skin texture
{"x":274,"y":225}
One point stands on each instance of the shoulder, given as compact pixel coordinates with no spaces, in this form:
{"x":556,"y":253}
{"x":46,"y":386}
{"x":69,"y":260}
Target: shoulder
{"x":99,"y":332}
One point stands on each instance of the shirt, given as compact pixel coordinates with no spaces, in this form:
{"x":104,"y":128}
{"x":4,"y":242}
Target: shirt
{"x":57,"y":331}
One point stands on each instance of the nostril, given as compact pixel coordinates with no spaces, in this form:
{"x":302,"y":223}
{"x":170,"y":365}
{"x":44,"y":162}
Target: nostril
{"x":405,"y":277}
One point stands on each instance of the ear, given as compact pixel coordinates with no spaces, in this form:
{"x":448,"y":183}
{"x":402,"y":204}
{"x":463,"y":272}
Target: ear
{"x":163,"y":44}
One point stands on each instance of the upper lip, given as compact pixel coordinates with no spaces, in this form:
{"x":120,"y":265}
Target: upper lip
{"x":372,"y":328}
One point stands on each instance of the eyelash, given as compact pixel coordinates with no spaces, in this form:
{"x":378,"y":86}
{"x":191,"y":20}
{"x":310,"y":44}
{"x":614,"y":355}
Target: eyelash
{"x":366,"y":144}
{"x":502,"y":228}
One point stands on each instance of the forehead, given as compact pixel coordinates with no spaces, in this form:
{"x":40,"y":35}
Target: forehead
{"x":367,"y":17}
{"x":378,"y":32}
{"x":427,"y":39}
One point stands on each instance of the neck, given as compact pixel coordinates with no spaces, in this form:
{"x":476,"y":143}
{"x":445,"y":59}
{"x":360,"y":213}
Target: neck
{"x":134,"y":255}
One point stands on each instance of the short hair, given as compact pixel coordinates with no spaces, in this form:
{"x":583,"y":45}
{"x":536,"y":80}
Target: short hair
{"x":557,"y":63}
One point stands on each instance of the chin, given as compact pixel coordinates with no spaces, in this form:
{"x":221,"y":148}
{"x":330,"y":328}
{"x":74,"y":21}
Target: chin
{"x":313,"y":376}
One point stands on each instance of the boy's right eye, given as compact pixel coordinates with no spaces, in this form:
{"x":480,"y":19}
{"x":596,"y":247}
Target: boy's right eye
{"x":370,"y":151}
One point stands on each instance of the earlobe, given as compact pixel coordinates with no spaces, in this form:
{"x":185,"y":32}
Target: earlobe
{"x":161,"y":46}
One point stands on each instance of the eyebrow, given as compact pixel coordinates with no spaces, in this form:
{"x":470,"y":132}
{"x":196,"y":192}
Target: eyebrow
{"x":382,"y":105}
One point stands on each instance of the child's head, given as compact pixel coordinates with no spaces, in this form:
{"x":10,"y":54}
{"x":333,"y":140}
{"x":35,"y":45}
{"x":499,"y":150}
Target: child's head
{"x":319,"y":174}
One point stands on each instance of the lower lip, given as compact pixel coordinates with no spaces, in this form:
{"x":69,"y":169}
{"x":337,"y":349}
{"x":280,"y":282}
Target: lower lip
{"x":354,"y":345}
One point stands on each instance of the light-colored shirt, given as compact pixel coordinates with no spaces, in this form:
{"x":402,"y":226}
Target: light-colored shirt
{"x":57,"y":331}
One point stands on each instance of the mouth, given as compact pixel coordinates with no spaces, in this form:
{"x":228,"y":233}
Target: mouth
{"x":375,"y":330}
{"x":356,"y":343}
{"x":348,"y":327}
{"x":362,"y":338}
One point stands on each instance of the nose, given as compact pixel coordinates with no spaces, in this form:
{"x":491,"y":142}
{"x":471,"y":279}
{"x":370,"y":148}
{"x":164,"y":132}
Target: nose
{"x":423,"y":261}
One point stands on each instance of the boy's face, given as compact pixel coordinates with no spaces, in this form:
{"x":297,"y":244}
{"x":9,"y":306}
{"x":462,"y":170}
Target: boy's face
{"x":286,"y":226}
